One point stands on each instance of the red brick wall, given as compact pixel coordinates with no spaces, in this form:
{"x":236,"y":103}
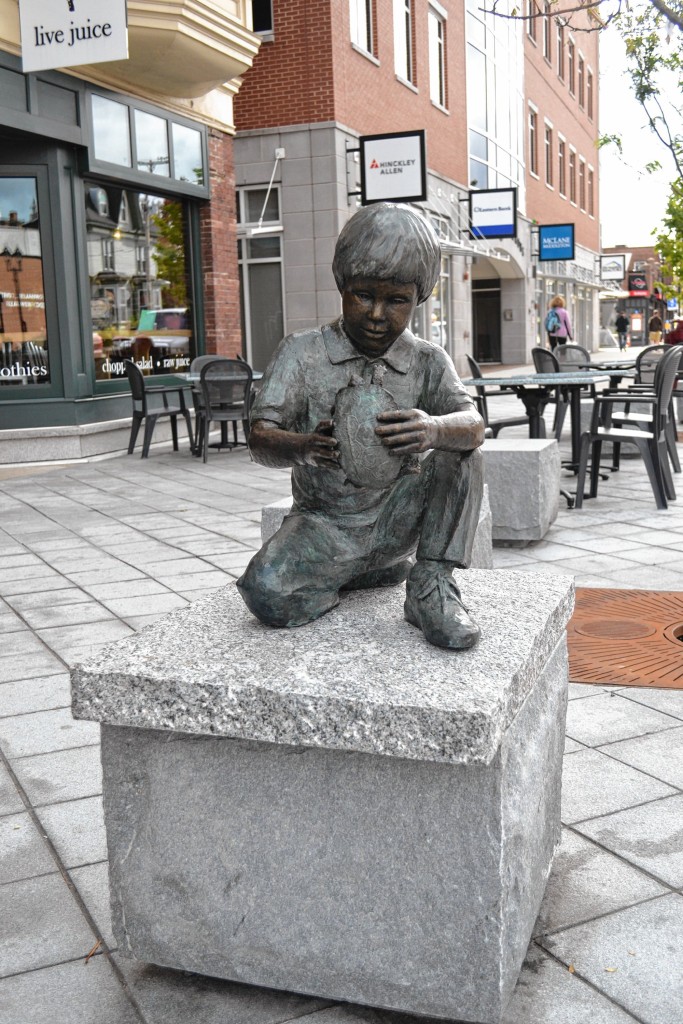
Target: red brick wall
{"x":291,"y":79}
{"x":312,"y":73}
{"x":372,"y":100}
{"x":219,"y":253}
{"x":552,"y":97}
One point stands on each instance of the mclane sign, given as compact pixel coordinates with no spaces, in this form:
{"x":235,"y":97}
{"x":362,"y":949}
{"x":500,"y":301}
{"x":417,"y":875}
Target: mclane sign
{"x":65,"y":33}
{"x":393,"y":168}
{"x":556,"y":241}
{"x":493,"y":213}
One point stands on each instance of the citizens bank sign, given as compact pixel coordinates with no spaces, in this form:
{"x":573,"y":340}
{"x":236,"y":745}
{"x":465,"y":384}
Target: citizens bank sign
{"x":393,"y":168}
{"x":65,"y":33}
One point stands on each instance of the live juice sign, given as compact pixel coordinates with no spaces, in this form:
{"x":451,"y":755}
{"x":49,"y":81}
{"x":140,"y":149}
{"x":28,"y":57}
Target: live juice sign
{"x":64,"y":33}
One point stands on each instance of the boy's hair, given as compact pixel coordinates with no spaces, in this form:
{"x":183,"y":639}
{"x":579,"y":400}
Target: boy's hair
{"x":390,"y":241}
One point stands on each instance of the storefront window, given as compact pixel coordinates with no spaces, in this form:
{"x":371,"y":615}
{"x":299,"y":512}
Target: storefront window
{"x":187,"y":154}
{"x":110,"y":128}
{"x":127,"y":136}
{"x":139,"y":287}
{"x":151,"y":140}
{"x":23,"y":329}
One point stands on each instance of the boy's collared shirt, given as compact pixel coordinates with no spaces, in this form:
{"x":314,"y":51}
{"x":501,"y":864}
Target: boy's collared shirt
{"x":299,"y":389}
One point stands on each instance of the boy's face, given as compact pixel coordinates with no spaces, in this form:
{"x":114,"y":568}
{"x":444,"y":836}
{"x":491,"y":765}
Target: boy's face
{"x":376,"y":312}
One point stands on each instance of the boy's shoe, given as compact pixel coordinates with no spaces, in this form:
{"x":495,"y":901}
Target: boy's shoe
{"x":434,"y":605}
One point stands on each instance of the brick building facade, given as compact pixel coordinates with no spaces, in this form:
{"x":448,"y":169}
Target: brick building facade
{"x":364,"y":67}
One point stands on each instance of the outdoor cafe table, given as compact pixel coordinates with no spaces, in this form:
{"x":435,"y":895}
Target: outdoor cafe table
{"x":535,"y":390}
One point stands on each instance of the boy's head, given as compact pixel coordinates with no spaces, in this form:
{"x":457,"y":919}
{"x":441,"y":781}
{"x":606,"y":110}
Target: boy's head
{"x":391,"y":242}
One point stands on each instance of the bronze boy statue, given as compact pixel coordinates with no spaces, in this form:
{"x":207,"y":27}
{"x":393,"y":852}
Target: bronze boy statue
{"x":363,"y":501}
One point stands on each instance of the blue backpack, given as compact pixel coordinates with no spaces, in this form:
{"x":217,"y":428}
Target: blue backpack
{"x":552,"y":321}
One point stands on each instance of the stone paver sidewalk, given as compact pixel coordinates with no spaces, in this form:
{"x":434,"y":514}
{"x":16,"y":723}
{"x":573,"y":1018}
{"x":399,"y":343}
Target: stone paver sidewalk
{"x":92,"y":552}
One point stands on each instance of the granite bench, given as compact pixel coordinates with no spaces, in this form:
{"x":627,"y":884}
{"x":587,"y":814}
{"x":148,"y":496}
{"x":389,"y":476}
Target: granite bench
{"x":523,"y":477}
{"x":341,"y":810}
{"x":482,"y":550}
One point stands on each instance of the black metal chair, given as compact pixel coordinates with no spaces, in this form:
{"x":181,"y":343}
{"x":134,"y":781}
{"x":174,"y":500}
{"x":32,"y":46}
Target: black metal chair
{"x":226,"y":387}
{"x":196,"y":367}
{"x":648,"y":433}
{"x":546,"y":361}
{"x":571,"y":357}
{"x":141,"y":392}
{"x":495,"y":426}
{"x":647,"y":362}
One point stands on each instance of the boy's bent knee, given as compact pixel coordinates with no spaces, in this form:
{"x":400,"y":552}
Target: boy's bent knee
{"x":268,"y":597}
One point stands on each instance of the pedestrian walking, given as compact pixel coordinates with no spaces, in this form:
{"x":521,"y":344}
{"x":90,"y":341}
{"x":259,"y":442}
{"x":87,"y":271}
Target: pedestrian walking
{"x":622,"y":326}
{"x":655,"y":328}
{"x":557,"y":323}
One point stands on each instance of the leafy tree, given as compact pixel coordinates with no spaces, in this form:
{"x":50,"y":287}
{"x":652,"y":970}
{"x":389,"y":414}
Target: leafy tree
{"x":169,"y":251}
{"x":669,"y":246}
{"x":654,"y":56}
{"x":652,"y":31}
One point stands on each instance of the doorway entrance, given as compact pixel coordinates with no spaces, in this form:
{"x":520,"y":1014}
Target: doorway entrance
{"x":486,"y":320}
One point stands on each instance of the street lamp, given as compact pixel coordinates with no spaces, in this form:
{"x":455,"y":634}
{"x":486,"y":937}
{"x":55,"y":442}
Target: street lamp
{"x":13,"y":262}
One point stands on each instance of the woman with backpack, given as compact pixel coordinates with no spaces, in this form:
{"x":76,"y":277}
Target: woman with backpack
{"x":557,"y":323}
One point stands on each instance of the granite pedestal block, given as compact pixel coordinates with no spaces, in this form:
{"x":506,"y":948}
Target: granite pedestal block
{"x":342,"y":809}
{"x":523,"y":477}
{"x":482,"y":550}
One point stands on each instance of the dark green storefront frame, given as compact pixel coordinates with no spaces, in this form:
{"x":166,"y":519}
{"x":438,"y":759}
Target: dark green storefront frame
{"x":45,"y":132}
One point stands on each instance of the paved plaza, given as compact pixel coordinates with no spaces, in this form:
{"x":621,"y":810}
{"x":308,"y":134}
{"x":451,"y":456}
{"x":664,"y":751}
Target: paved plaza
{"x":92,"y":552}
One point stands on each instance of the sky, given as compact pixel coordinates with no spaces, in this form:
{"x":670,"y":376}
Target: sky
{"x":632,"y":202}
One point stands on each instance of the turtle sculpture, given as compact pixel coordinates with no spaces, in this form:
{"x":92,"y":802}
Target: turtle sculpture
{"x":362,"y":456}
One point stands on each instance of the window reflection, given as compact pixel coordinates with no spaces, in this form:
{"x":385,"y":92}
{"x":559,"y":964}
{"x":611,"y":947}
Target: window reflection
{"x":139,"y":289}
{"x":23,"y":329}
{"x":151,"y":139}
{"x":187,"y":154}
{"x":111,"y":131}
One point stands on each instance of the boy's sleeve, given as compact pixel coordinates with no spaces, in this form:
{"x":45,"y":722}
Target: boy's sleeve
{"x":280,"y":395}
{"x":445,"y":391}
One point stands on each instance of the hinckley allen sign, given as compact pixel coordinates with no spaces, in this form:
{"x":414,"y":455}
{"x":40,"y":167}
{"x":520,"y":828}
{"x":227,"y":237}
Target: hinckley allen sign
{"x":65,"y":33}
{"x":393,"y":168}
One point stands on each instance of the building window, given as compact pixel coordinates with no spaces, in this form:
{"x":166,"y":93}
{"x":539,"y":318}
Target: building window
{"x":562,"y":167}
{"x":126,"y":136}
{"x":589,"y":94}
{"x":547,"y":30}
{"x":572,"y":176}
{"x":403,"y":40}
{"x":437,"y":58}
{"x":548,"y":155}
{"x":582,"y":183}
{"x":531,"y":11}
{"x":533,"y":141}
{"x":559,"y":42}
{"x":571,"y":65}
{"x":361,"y":24}
{"x":23,"y":325}
{"x":581,"y":83}
{"x":108,"y":254}
{"x":591,"y":192}
{"x":140,"y":290}
{"x":261,"y":269}
{"x":262,"y":15}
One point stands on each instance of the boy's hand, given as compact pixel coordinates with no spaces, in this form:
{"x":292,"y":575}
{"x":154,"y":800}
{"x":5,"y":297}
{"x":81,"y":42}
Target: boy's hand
{"x":406,"y":431}
{"x":319,"y":448}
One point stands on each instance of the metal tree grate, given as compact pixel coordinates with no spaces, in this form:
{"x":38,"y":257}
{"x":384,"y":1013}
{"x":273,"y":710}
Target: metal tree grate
{"x":627,"y":638}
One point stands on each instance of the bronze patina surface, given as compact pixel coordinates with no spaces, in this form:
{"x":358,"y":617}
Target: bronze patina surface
{"x":382,"y":439}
